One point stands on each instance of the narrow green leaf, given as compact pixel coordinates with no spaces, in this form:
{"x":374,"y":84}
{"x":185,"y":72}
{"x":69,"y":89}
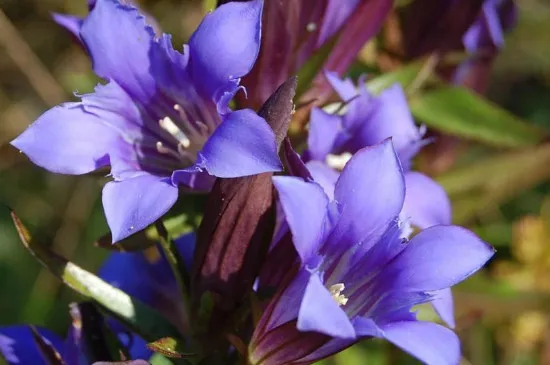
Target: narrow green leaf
{"x":404,"y":76}
{"x":142,"y":319}
{"x":460,"y":112}
{"x":313,"y":66}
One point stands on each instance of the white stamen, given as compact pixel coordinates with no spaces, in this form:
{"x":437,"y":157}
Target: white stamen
{"x":336,"y":292}
{"x":169,"y":126}
{"x":338,"y":161}
{"x":311,"y":27}
{"x":405,"y":227}
{"x":168,"y":151}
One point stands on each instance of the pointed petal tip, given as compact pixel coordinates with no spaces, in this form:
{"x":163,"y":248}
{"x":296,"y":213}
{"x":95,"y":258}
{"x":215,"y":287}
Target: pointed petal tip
{"x":429,"y":342}
{"x":133,"y":204}
{"x":242,"y":145}
{"x":448,"y":255}
{"x":301,"y":199}
{"x":231,"y":33}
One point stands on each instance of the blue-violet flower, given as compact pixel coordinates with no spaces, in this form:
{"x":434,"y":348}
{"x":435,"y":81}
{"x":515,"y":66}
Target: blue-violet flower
{"x":162,"y":120}
{"x":357,"y":278}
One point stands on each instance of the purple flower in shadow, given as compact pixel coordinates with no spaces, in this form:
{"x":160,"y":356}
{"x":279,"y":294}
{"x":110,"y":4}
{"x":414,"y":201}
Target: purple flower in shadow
{"x":357,"y":278}
{"x":294,"y":30}
{"x":143,"y":275}
{"x":483,"y":41}
{"x":162,"y":120}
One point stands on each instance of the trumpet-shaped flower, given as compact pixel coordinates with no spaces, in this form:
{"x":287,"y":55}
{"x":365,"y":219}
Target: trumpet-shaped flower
{"x":357,"y":278}
{"x":162,"y":120}
{"x":369,"y":120}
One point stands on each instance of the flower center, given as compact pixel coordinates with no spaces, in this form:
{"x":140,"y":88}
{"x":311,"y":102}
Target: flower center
{"x":338,"y":162}
{"x":336,"y":292}
{"x":190,"y":136}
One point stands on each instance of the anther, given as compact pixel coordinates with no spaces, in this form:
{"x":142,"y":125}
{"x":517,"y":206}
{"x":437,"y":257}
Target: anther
{"x":338,"y":161}
{"x":169,"y":126}
{"x":336,"y":292}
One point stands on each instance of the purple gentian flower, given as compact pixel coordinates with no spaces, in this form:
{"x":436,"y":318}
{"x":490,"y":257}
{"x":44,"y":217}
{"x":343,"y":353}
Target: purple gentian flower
{"x":74,"y":23}
{"x":18,"y":347}
{"x":357,"y":278}
{"x":496,"y":17}
{"x":162,"y":120}
{"x":146,"y":275}
{"x":369,"y":120}
{"x":483,"y":41}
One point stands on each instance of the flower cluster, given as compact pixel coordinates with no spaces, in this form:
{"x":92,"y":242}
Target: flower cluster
{"x":298,"y":255}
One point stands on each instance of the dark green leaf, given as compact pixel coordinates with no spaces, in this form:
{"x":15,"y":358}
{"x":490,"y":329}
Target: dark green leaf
{"x":460,"y":112}
{"x":404,"y":76}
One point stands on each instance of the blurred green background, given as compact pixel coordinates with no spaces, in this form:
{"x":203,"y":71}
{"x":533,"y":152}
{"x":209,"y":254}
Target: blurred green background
{"x":503,"y":194}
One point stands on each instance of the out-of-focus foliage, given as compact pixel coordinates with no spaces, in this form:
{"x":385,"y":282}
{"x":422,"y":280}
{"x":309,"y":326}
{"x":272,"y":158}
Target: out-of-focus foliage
{"x":503,"y":316}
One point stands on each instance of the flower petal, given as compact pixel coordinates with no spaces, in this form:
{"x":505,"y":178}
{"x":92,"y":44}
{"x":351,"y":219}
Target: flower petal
{"x":242,"y":145}
{"x":426,"y":202}
{"x":17,"y":345}
{"x":67,"y":140}
{"x":226,"y":45}
{"x":324,"y":128}
{"x":137,"y":347}
{"x":336,"y":14}
{"x":137,"y":274}
{"x":390,"y":117}
{"x":198,"y":181}
{"x":444,"y":306}
{"x":319,"y":312}
{"x":366,"y":327}
{"x":447,"y":255}
{"x":70,"y":23}
{"x":369,"y":193}
{"x":343,"y":87}
{"x":131,"y":205}
{"x":324,"y":176}
{"x":332,"y":347}
{"x":146,"y":276}
{"x":305,"y":206}
{"x":429,"y":342}
{"x":119,"y":43}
